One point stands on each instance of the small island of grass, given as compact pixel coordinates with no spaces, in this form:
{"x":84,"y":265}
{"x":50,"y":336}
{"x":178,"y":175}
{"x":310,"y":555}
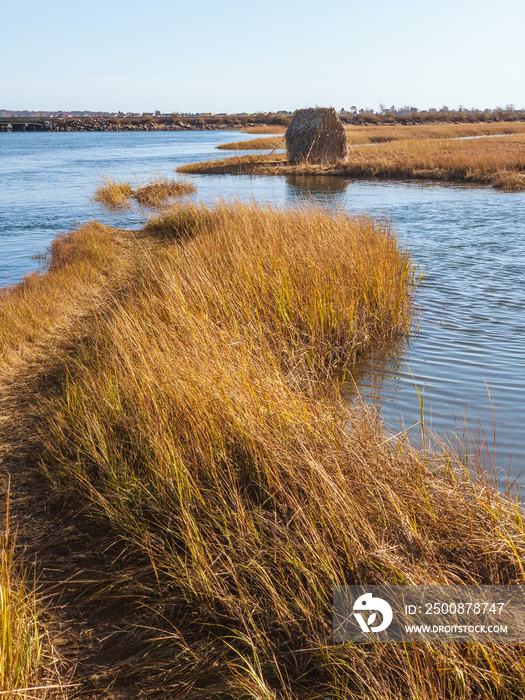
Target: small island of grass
{"x":118,"y":195}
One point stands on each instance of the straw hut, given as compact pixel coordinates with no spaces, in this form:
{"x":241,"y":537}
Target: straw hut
{"x":316,"y":136}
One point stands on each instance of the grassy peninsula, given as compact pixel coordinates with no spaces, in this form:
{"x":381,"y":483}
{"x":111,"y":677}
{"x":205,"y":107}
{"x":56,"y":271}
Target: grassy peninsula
{"x":175,"y":394}
{"x":420,"y":152}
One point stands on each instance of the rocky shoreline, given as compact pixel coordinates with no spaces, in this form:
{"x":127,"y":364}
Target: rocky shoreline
{"x":101,"y":124}
{"x":145,"y":123}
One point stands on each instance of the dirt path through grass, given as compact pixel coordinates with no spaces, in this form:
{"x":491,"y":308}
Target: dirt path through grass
{"x":75,"y":561}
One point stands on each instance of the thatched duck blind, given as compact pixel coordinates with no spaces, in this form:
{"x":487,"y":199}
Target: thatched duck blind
{"x":316,"y":136}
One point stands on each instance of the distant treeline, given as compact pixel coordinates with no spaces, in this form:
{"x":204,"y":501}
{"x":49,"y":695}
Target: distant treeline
{"x":431,"y":116}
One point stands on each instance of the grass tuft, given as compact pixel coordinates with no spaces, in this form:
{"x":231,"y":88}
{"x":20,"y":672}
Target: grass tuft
{"x":162,"y":188}
{"x":80,"y":263}
{"x":118,"y":195}
{"x":113,"y":194}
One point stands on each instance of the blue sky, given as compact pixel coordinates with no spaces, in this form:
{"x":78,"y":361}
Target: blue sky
{"x":232,"y":56}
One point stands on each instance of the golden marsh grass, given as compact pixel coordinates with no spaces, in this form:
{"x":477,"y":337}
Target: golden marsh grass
{"x":265,"y":164}
{"x":382,"y":134}
{"x":28,"y":663}
{"x":266,"y":143}
{"x":113,"y":194}
{"x":162,"y":188}
{"x":80,"y":264}
{"x":201,"y":417}
{"x":264,"y":129}
{"x":118,"y":195}
{"x":496,"y":161}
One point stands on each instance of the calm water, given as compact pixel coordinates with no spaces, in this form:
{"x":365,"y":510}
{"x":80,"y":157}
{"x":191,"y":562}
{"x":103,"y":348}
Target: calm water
{"x":467,"y":357}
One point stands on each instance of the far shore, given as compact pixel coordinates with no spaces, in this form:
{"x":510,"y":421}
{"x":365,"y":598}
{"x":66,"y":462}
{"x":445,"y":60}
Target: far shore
{"x":257,"y":123}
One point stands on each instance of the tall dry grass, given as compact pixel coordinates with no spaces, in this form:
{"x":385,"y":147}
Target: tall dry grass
{"x":113,"y":194}
{"x":156,"y":193}
{"x":118,"y":195}
{"x":81,"y":263}
{"x":499,"y":162}
{"x":202,"y":418}
{"x":383,"y":134}
{"x":264,"y":164}
{"x":264,"y":129}
{"x":269,"y":143}
{"x":29,"y":666}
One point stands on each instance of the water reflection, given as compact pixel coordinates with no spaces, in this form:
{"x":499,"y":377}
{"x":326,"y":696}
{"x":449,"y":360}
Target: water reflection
{"x":376,"y":375}
{"x":318,"y":187}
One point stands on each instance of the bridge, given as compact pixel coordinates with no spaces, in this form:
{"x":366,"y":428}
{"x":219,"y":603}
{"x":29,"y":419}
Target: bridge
{"x":24,"y":124}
